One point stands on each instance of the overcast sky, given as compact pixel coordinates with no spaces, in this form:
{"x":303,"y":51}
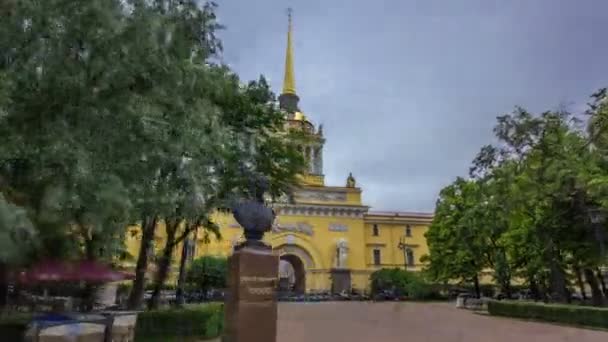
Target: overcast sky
{"x":408,"y":91}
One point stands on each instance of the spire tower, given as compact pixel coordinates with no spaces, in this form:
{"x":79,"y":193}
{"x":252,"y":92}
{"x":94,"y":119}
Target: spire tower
{"x":289,"y":82}
{"x":288,"y":100}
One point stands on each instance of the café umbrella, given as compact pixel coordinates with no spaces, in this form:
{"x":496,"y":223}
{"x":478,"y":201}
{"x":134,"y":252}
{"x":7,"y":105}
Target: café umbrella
{"x":72,"y":271}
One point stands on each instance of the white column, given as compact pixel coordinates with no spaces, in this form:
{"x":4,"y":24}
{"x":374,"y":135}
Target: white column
{"x":315,"y":164}
{"x":320,"y":160}
{"x":311,"y":159}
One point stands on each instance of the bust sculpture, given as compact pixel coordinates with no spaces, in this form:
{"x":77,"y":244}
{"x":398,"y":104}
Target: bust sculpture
{"x":252,"y":214}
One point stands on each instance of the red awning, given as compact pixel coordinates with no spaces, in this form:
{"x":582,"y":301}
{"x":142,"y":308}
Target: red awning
{"x":72,"y":271}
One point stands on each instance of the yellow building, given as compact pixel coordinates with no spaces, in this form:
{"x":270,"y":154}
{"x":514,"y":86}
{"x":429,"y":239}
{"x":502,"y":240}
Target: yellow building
{"x":328,"y":240}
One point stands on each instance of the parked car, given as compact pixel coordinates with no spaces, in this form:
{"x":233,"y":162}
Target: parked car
{"x":386,"y":295}
{"x":576,"y":296}
{"x":502,"y":296}
{"x":525,"y":294}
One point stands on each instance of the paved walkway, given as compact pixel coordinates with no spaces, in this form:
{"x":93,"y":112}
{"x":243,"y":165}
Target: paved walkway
{"x":418,"y":322}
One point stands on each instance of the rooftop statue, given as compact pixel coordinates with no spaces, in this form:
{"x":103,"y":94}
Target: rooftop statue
{"x":350,"y":181}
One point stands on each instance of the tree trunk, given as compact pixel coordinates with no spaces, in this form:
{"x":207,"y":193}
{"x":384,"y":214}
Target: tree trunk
{"x":534,"y":291}
{"x":596,"y":294}
{"x":147,"y":237}
{"x":477,"y":289}
{"x":602,"y":280}
{"x":545,"y":290}
{"x":3,"y":285}
{"x":181,"y":279}
{"x":579,"y":281}
{"x":88,"y":295}
{"x":559,"y":292}
{"x":164,"y":263}
{"x":505,"y":288}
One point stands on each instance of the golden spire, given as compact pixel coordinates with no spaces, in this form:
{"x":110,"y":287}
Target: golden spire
{"x":289,"y":82}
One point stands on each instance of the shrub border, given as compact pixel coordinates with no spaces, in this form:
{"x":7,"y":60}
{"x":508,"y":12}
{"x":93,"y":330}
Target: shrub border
{"x":576,"y":315}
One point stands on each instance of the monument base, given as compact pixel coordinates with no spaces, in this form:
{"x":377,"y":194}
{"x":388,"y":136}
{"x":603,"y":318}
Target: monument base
{"x":250,"y":304}
{"x":340,"y":280}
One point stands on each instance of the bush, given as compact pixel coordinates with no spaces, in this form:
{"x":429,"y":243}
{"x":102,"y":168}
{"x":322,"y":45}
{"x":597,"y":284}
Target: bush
{"x":410,"y":284}
{"x":201,"y":321}
{"x":208,"y":272}
{"x":13,"y":327}
{"x":560,"y":313}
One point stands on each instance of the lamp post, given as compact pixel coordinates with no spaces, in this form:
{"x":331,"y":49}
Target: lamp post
{"x":403,"y":246}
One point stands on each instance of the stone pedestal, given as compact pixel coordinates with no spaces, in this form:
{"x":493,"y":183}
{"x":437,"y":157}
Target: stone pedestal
{"x":251,"y":304}
{"x":340,"y":280}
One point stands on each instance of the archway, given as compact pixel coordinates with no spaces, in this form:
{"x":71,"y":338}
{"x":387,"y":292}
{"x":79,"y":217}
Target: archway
{"x":292,"y":274}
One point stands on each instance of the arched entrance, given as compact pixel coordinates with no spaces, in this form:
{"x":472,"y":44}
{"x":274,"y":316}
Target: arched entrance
{"x":292,"y":274}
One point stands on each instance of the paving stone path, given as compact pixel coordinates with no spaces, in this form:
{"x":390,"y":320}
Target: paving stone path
{"x":418,"y":322}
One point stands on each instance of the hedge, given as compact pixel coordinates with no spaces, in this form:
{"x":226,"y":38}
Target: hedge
{"x":201,"y":321}
{"x":559,"y":313}
{"x":13,"y":327}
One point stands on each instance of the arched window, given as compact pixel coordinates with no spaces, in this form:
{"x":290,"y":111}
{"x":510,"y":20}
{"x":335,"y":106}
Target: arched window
{"x":375,"y":231}
{"x":410,"y":257}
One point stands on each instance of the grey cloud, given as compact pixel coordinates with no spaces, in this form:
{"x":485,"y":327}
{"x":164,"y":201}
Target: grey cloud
{"x":408,"y":91}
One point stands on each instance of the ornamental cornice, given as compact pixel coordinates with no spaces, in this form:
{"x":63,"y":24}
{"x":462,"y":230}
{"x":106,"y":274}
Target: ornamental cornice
{"x":320,"y":210}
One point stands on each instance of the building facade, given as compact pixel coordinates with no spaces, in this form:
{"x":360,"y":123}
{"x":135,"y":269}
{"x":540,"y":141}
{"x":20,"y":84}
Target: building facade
{"x":327,"y":239}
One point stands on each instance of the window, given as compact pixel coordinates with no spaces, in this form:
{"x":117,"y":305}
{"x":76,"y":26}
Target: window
{"x":377,"y":260}
{"x":410,"y":257}
{"x":408,"y":230}
{"x":375,"y":231}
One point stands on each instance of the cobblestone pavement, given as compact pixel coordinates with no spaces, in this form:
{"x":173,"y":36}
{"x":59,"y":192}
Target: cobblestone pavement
{"x":418,"y":322}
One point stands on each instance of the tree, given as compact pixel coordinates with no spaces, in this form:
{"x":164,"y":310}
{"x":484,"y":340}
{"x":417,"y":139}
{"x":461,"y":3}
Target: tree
{"x":260,"y":147}
{"x":17,"y":240}
{"x":456,"y":247}
{"x":527,"y":201}
{"x":112,"y":114}
{"x":55,"y":161}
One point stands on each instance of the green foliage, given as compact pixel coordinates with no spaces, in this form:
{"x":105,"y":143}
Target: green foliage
{"x":200,"y":321}
{"x":208,"y":272}
{"x":524,"y":211}
{"x":567,"y":314}
{"x":17,"y":235}
{"x":114,"y":113}
{"x":456,"y":247}
{"x":409,"y":284}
